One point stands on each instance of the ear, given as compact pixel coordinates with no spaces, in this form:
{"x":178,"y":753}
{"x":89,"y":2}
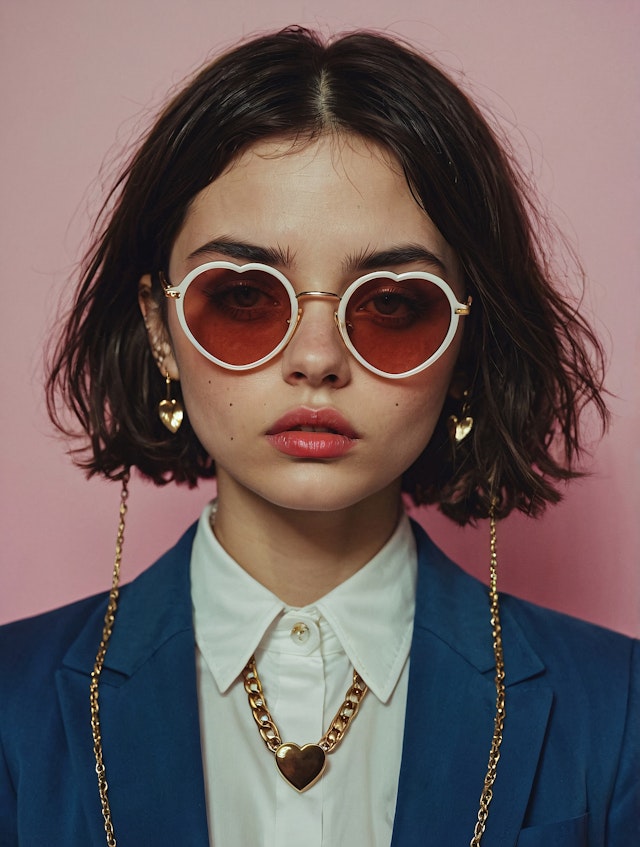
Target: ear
{"x":157,"y":332}
{"x":458,"y":385}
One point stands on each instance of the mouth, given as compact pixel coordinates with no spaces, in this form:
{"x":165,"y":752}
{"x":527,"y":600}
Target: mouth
{"x":328,"y":421}
{"x":312,"y":434}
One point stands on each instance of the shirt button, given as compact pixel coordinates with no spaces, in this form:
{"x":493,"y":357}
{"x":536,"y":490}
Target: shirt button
{"x":300,"y":633}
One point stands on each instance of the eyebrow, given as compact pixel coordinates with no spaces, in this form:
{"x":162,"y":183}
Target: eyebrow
{"x":242,"y":250}
{"x":403,"y":254}
{"x":365,"y":260}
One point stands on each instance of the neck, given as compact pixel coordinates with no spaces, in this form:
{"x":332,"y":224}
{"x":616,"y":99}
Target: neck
{"x":299,"y":555}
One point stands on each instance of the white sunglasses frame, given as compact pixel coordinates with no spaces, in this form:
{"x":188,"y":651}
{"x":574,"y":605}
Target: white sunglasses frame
{"x":177,"y":294}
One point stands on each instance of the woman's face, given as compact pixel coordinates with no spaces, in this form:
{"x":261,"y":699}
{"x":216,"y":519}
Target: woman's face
{"x":315,"y":212}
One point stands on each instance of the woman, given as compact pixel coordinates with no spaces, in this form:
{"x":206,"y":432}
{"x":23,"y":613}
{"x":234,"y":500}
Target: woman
{"x":342,"y":299}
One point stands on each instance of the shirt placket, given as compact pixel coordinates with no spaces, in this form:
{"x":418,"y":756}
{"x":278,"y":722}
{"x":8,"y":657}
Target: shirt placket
{"x":299,"y":714}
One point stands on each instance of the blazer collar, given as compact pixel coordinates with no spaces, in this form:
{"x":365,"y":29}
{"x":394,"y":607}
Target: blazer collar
{"x":450,"y":605}
{"x":454,"y":608}
{"x":152,"y":610}
{"x":451,"y":709}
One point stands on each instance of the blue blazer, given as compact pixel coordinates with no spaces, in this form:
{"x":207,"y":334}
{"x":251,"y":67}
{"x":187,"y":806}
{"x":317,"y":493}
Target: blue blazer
{"x":569,"y":771}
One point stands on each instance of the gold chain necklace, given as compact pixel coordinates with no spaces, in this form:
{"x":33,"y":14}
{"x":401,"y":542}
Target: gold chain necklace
{"x":303,"y":766}
{"x":261,"y":713}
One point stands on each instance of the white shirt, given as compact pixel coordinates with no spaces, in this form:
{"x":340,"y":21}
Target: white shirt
{"x":305,"y":659}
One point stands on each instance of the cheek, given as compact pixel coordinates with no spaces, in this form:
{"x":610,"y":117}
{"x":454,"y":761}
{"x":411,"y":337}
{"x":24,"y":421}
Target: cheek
{"x":417,"y":408}
{"x":223,"y":408}
{"x":417,"y":421}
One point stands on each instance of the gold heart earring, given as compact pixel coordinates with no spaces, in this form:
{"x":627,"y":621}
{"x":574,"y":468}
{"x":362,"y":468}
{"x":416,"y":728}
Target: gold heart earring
{"x":170,"y":410}
{"x":460,"y":427}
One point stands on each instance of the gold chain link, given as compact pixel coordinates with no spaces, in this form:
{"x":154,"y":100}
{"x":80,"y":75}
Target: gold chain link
{"x":266,"y":725}
{"x":345,"y":714}
{"x":99,"y":663}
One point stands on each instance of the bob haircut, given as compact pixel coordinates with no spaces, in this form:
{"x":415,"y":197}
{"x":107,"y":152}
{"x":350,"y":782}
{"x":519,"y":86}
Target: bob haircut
{"x":529,"y":362}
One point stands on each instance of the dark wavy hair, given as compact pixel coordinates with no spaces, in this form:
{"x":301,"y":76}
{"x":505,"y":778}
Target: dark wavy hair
{"x":530,"y":362}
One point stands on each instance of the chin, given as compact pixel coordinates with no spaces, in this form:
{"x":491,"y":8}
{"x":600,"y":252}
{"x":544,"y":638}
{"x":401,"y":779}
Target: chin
{"x":324,"y":495}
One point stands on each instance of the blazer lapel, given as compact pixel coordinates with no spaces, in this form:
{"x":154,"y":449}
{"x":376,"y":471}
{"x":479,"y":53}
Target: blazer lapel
{"x":148,"y":712}
{"x":451,"y":709}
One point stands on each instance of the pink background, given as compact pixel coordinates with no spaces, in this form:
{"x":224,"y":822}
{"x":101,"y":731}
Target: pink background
{"x":78,"y":77}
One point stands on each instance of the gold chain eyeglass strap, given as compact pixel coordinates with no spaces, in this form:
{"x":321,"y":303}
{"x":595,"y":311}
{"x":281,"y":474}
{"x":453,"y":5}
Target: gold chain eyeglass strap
{"x":109,"y":618}
{"x":498,"y":726}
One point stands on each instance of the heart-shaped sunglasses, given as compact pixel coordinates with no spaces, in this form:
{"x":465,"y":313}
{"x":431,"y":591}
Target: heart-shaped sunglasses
{"x":241,"y":316}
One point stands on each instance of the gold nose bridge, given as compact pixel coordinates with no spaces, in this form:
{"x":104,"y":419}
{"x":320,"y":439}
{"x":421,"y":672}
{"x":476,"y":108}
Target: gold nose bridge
{"x":323,"y":295}
{"x":327,"y":295}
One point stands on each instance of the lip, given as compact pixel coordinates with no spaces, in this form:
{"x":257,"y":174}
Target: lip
{"x":307,"y":433}
{"x":327,"y":419}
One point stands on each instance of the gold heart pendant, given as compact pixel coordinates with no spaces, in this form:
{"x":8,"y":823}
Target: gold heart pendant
{"x":459,"y":429}
{"x":171,"y":413}
{"x":302,"y":767}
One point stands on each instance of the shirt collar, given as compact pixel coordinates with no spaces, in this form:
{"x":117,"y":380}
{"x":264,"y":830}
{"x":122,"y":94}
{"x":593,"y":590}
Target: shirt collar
{"x":371,"y":613}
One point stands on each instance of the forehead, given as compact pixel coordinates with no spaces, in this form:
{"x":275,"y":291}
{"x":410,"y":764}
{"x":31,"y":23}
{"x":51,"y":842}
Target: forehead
{"x":344,"y":167}
{"x":315,"y":200}
{"x":342,"y":151}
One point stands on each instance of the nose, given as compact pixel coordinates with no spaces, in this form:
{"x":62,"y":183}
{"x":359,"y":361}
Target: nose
{"x":316,"y":353}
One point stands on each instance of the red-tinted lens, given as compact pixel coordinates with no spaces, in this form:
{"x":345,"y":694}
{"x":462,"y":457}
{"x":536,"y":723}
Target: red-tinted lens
{"x":237,"y":317}
{"x":397,"y":325}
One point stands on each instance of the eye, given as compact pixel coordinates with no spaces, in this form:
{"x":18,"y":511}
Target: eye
{"x":389,"y":303}
{"x":240,"y":295}
{"x":241,"y":298}
{"x":393,"y":306}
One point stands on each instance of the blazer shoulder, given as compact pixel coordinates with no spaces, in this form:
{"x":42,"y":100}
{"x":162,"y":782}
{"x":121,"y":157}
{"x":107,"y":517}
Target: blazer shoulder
{"x":32,"y":649}
{"x":454,"y":604}
{"x":559,"y":637}
{"x":25,"y":642}
{"x":594,"y":673}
